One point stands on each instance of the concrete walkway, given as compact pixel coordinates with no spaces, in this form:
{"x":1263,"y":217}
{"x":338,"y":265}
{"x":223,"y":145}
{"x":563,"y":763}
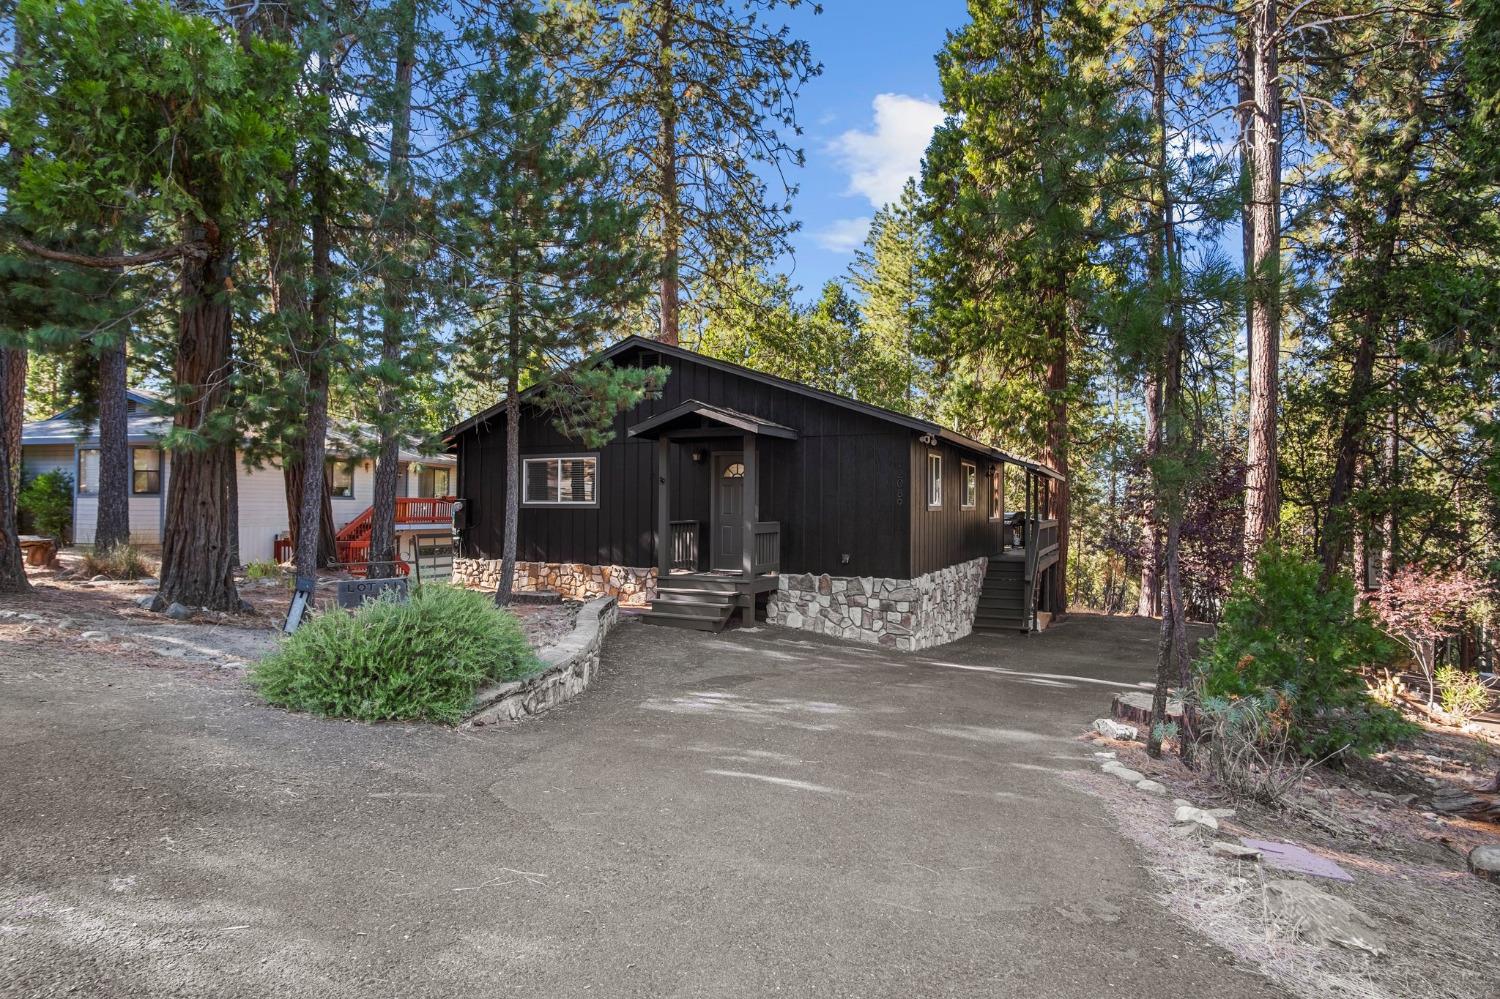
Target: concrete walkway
{"x":748,"y":814}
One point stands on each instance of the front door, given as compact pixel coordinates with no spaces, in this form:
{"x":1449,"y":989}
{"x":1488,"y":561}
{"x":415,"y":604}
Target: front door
{"x":729,"y":511}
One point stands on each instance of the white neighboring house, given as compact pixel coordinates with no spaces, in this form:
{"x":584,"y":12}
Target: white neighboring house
{"x":60,"y":442}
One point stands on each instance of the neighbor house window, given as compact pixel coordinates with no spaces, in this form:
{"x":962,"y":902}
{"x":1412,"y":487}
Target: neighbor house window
{"x":971,"y":485}
{"x":934,"y":481}
{"x":341,"y":478}
{"x":88,"y":472}
{"x":997,"y":492}
{"x":145,"y":471}
{"x":434,"y":482}
{"x":564,"y":480}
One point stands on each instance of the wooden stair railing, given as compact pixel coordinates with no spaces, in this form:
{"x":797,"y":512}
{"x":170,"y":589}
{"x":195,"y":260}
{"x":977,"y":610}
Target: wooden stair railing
{"x":352,"y":542}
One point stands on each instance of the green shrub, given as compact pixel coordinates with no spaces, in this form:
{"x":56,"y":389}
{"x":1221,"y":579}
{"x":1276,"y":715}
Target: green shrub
{"x":1307,"y":647}
{"x":1461,"y":693}
{"x":263,"y":570}
{"x":48,"y":500}
{"x":118,"y":562}
{"x":422,"y":659}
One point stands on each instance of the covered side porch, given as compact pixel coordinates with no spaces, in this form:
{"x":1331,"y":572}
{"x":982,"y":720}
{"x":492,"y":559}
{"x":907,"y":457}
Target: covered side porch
{"x":714,"y":555}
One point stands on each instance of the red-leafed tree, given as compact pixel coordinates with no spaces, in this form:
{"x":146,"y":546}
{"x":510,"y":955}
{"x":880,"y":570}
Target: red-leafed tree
{"x":1420,"y":608}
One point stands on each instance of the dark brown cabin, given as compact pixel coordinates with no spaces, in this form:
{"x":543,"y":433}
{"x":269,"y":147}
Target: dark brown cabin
{"x":748,"y":476}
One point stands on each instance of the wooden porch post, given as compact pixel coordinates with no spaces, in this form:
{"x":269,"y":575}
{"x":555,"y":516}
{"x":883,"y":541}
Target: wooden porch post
{"x":751,"y":506}
{"x":663,"y":507}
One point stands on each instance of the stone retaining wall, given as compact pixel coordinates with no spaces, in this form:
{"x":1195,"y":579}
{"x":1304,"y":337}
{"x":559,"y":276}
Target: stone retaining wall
{"x":904,"y":614}
{"x":567,"y":669}
{"x":574,"y":580}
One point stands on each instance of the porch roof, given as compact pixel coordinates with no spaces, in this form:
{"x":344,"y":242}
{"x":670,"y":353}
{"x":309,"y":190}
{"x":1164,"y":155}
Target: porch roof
{"x":693,"y":416}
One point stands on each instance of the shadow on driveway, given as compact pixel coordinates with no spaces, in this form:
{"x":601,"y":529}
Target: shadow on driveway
{"x":737,"y":815}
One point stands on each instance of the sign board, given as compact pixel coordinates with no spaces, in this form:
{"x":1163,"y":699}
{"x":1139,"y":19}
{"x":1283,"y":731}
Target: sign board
{"x":353,"y":592}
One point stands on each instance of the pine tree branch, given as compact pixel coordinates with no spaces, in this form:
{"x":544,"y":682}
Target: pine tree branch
{"x":192,"y":248}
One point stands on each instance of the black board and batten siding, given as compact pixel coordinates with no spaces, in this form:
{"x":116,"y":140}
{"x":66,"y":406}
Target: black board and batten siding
{"x":951,"y":533}
{"x":843,"y":491}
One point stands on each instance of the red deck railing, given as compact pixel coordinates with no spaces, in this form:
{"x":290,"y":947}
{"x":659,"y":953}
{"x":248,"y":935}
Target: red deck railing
{"x":352,"y":542}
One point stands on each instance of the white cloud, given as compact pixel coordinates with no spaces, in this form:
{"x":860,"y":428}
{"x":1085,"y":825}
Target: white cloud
{"x":842,"y":235}
{"x":880,"y":161}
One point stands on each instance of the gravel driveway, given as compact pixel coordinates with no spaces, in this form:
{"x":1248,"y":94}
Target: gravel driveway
{"x":747,"y":814}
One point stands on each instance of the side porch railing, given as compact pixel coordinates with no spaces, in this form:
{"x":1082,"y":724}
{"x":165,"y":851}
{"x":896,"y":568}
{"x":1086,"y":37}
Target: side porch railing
{"x":765,"y":551}
{"x":685,"y":545}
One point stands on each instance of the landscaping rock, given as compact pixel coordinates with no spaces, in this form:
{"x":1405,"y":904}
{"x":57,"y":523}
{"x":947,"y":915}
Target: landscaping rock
{"x":101,"y":578}
{"x":1234,"y":851}
{"x":1221,"y":813}
{"x":1484,"y":862}
{"x":1127,"y":775}
{"x":147,"y":601}
{"x":95,"y":636}
{"x":1322,"y":918}
{"x":1105,"y":755}
{"x":178,"y":612}
{"x":1152,"y":787}
{"x":149,"y":581}
{"x":1111,"y":729}
{"x":1188,"y":817}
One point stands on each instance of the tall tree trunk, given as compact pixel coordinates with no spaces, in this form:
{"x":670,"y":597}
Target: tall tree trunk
{"x":510,"y":541}
{"x":112,"y":526}
{"x":1262,"y":489}
{"x":397,"y":301}
{"x":1244,"y":115}
{"x":315,"y":545}
{"x":671,"y":221}
{"x":12,"y":416}
{"x":197,"y":563}
{"x":1390,"y":553}
{"x":1149,"y":604}
{"x":1055,"y":456}
{"x":1356,"y":409}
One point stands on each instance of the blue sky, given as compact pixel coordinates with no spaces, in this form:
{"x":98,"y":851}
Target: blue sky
{"x":866,"y":120}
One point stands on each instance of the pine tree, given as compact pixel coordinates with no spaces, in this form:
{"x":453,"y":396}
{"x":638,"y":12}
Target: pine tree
{"x":552,"y":261}
{"x":890,"y":279}
{"x":1016,"y":180}
{"x":695,"y":102}
{"x":169,"y":113}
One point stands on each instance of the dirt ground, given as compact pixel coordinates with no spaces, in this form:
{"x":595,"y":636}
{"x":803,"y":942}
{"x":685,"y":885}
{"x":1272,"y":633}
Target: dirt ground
{"x":102,"y":616}
{"x":1375,"y":819}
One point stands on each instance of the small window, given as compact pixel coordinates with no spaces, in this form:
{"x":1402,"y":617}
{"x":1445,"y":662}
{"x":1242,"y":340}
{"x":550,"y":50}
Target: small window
{"x":341,"y":478}
{"x":88,"y":472}
{"x":997,"y":493}
{"x":564,"y":481}
{"x":734,"y":471}
{"x":145,"y":471}
{"x":934,"y":481}
{"x":971,"y":485}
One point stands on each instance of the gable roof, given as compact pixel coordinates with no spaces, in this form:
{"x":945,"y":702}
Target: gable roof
{"x":722,"y":415}
{"x":914,"y":423}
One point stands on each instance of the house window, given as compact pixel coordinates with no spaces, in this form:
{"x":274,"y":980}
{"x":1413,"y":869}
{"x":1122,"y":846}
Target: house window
{"x":934,"y":481}
{"x":997,"y":492}
{"x":734,"y":471}
{"x":88,"y":472}
{"x":341,"y":478}
{"x":567,"y":480}
{"x":145,"y":471}
{"x":434,"y":482}
{"x":971,"y":485}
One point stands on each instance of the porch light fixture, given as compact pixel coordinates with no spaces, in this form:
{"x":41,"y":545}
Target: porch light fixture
{"x":699,"y":455}
{"x":928,"y":439}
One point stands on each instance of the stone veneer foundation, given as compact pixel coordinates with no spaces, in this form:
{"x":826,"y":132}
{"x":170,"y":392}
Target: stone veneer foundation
{"x":904,"y":614}
{"x":632,"y":587}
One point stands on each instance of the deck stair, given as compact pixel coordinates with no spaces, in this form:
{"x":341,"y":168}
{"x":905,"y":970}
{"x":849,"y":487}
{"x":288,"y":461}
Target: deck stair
{"x":701,"y":601}
{"x":1004,"y":595}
